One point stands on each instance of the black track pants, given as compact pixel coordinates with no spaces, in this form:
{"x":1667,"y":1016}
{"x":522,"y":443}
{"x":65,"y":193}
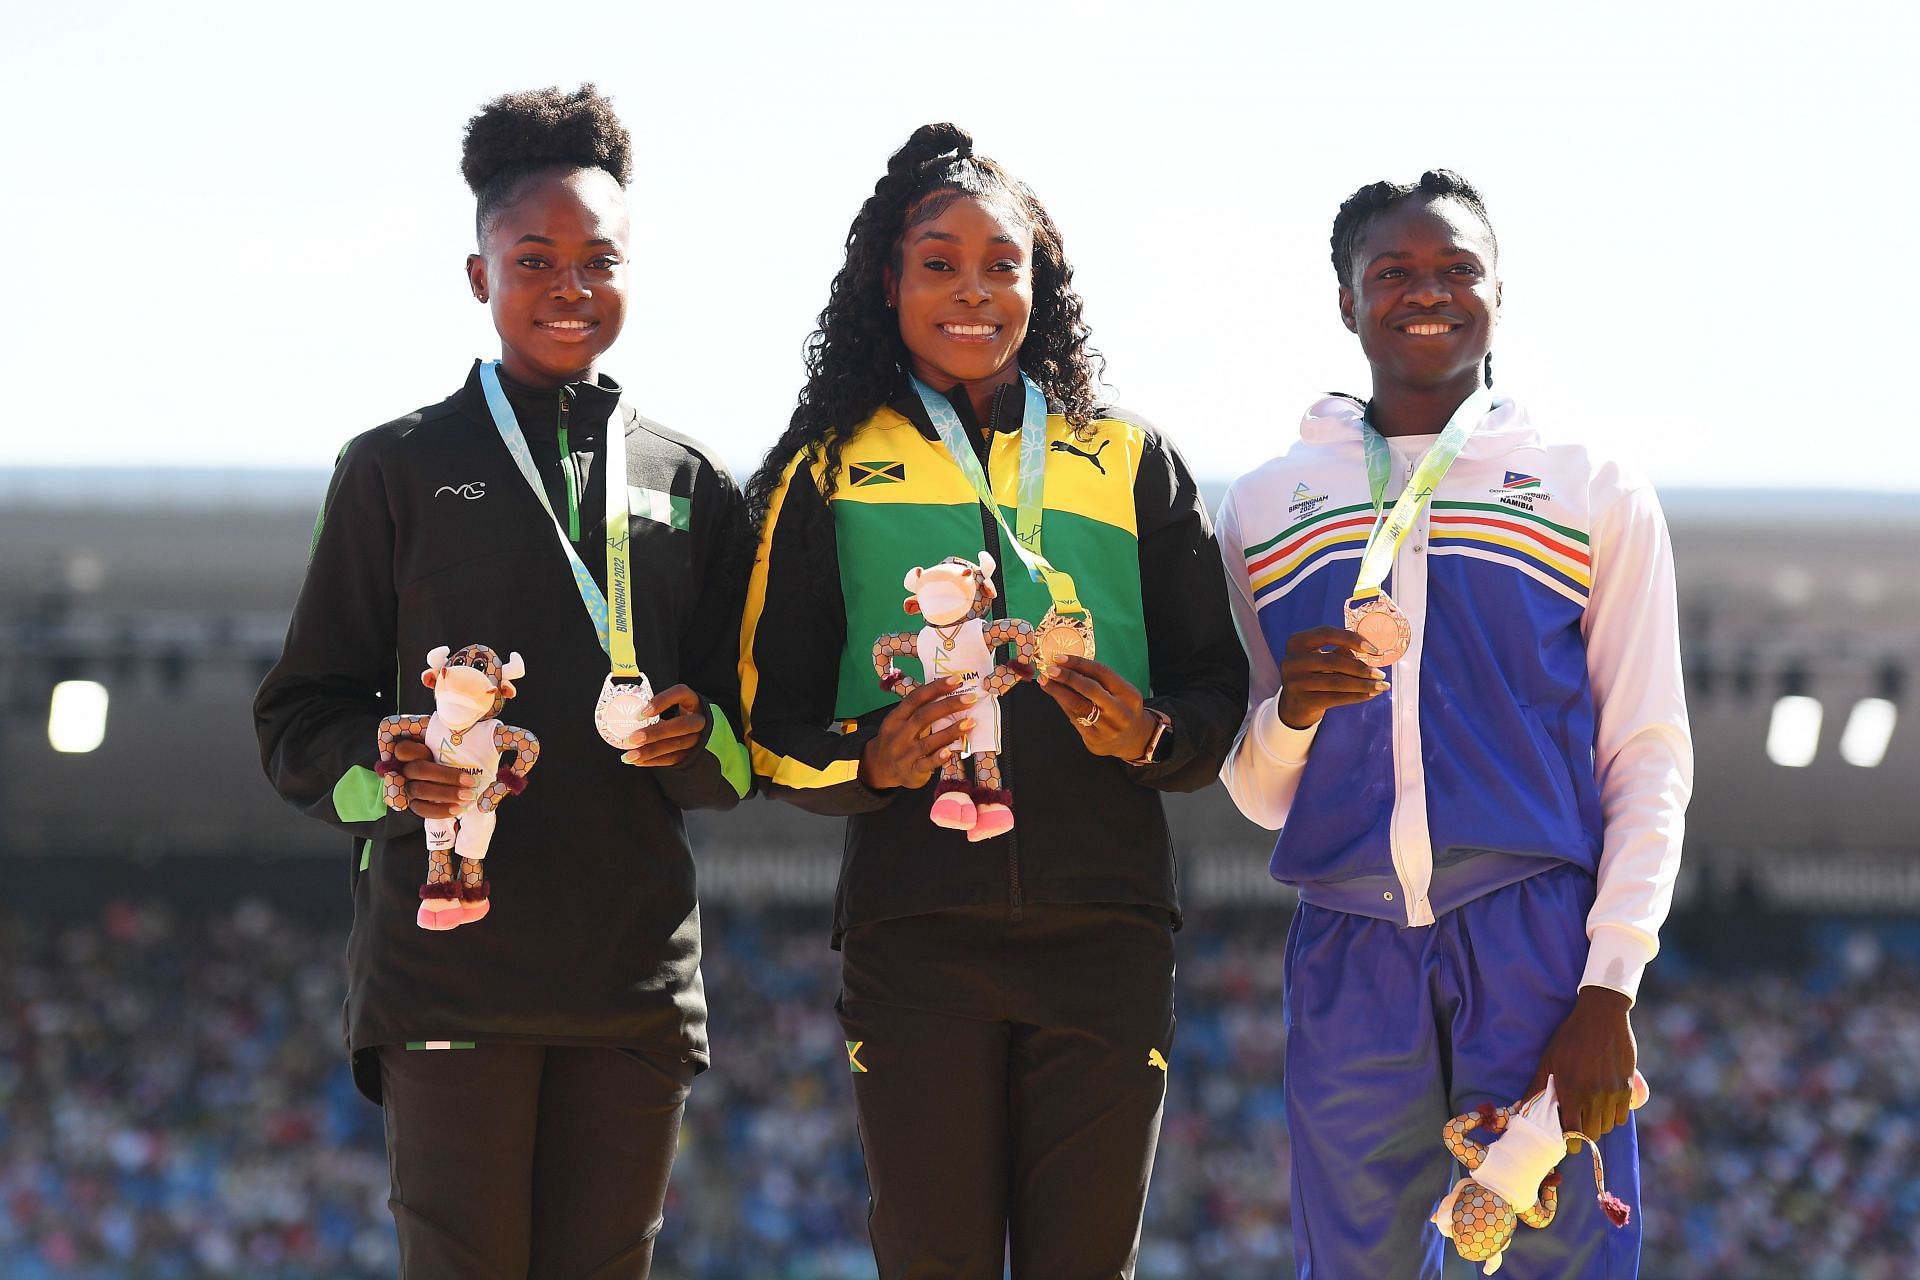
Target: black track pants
{"x":529,"y":1162}
{"x":1009,"y":1078}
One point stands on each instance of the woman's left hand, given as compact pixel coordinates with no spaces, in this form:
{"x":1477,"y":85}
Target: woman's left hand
{"x":1108,"y":712}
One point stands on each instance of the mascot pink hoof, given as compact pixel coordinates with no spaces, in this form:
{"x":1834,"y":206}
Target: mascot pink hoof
{"x":956,"y":811}
{"x":475,"y":901}
{"x":994,"y":820}
{"x":439,"y":914}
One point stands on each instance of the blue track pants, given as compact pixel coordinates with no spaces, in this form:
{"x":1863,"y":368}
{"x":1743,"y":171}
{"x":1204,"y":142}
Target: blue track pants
{"x":1394,"y":1031}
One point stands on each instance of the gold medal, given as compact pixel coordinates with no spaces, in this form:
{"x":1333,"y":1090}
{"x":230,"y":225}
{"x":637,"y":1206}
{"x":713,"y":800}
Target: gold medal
{"x":1379,"y":622}
{"x":1063,"y":636}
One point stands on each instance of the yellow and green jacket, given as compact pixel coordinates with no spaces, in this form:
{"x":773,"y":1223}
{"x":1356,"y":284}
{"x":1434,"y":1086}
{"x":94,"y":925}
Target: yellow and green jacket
{"x":1124,"y":517}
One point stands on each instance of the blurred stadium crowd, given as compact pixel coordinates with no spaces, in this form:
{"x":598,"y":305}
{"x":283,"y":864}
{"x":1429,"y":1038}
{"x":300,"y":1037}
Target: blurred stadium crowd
{"x":173,"y":1104}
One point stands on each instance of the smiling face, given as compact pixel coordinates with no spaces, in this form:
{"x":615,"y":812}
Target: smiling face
{"x":1424,"y":297}
{"x":964,"y":292}
{"x":552,"y":268}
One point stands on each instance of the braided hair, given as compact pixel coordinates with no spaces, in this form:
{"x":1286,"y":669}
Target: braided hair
{"x":1360,"y":208}
{"x":520,"y":135}
{"x":856,"y":360}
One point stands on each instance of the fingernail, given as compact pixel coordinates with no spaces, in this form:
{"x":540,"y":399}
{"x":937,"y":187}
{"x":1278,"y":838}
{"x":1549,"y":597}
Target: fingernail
{"x":1379,"y":686}
{"x":971,"y":696}
{"x":955,"y":679}
{"x":1377,"y":673}
{"x":1374,"y":648}
{"x":966,"y":724}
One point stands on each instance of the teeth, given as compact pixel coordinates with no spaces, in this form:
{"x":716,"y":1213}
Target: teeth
{"x":971,"y":330}
{"x":567,"y":324}
{"x":1429,"y":330}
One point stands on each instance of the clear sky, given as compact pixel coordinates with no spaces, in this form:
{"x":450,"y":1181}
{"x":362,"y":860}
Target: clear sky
{"x":238,"y":232}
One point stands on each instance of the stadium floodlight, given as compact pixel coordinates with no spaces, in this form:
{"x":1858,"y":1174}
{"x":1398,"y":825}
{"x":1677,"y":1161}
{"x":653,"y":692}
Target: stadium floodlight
{"x":1869,"y":729}
{"x":77,"y":716}
{"x":1793,"y":736}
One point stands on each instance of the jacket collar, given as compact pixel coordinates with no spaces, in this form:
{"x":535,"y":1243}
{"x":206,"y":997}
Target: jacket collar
{"x":537,"y":408}
{"x":1336,"y":419}
{"x":1009,"y":406}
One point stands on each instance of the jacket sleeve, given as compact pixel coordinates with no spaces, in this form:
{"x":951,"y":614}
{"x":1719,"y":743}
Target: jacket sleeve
{"x":318,"y":711}
{"x":790,"y":641}
{"x":718,"y":775}
{"x":1263,"y":768}
{"x":1643,"y":749}
{"x":1198,"y":671}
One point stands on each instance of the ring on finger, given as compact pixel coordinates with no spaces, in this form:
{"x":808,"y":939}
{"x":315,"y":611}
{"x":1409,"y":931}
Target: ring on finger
{"x":1088,"y":720}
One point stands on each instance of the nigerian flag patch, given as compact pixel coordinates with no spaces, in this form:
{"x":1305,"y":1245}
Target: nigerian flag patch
{"x":669,"y":509}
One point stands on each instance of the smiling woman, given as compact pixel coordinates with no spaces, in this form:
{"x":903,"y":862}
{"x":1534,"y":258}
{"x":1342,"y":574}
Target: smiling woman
{"x":532,"y":1074}
{"x":1485,"y":846}
{"x":1018,"y":973}
{"x":552,"y":220}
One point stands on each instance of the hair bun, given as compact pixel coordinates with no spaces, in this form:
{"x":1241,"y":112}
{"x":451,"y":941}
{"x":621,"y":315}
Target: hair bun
{"x":930,"y":142}
{"x":519,"y":132}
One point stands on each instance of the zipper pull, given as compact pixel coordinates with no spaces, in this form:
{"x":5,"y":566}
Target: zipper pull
{"x":566,"y":466}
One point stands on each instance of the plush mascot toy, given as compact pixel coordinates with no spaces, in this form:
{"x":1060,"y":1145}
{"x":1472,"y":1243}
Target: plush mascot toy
{"x":464,"y":731}
{"x":1516,"y":1169}
{"x":956,"y":597}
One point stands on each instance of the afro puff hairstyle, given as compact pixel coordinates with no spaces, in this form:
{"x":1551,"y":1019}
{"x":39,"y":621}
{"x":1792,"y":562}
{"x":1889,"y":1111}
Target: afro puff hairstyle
{"x":520,"y":134}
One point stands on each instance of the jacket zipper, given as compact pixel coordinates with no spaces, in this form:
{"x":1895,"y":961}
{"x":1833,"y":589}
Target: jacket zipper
{"x":990,"y":535}
{"x":566,"y":468}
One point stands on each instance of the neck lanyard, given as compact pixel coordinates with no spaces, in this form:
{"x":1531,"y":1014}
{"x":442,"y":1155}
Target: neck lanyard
{"x":613,"y":623}
{"x":1390,"y":528}
{"x":1030,"y":493}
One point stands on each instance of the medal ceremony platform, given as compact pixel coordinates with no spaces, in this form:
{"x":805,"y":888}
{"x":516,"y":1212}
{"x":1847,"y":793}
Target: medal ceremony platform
{"x":173,"y":1095}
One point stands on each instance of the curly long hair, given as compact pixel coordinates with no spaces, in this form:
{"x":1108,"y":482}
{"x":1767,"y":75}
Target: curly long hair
{"x":856,"y":360}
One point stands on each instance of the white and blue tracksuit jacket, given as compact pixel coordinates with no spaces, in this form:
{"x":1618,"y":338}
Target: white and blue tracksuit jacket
{"x":1539,"y":717}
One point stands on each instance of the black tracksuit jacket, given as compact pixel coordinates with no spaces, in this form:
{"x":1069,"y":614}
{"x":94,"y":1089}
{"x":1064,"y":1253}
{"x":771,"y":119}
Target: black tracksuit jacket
{"x":430,"y":537}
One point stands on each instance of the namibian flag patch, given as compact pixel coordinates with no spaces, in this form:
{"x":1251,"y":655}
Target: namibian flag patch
{"x":862,"y":474}
{"x":1520,"y":480}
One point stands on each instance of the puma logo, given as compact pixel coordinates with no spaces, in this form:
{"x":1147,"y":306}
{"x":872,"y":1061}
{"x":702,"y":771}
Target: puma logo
{"x":470,"y":490}
{"x":1067,"y":446}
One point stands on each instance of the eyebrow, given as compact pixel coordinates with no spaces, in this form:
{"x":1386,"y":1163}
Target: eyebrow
{"x":950,"y":238}
{"x":1451,"y":251}
{"x":530,"y":238}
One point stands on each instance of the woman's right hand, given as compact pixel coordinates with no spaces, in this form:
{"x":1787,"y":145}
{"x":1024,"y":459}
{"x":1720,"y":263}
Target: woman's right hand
{"x":1325,"y":667}
{"x":434,"y":790}
{"x":913,"y":743}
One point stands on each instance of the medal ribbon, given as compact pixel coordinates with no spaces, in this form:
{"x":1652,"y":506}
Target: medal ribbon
{"x":613,"y":624}
{"x":1390,"y":528}
{"x":1030,"y":510}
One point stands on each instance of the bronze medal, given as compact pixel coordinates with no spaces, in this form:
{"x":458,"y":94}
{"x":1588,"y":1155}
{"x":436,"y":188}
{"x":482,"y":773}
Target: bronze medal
{"x":1379,"y":622}
{"x":1062,"y":636}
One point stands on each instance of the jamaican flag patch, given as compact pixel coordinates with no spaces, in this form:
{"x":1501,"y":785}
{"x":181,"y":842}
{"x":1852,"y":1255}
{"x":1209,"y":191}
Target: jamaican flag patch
{"x":868,"y":473}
